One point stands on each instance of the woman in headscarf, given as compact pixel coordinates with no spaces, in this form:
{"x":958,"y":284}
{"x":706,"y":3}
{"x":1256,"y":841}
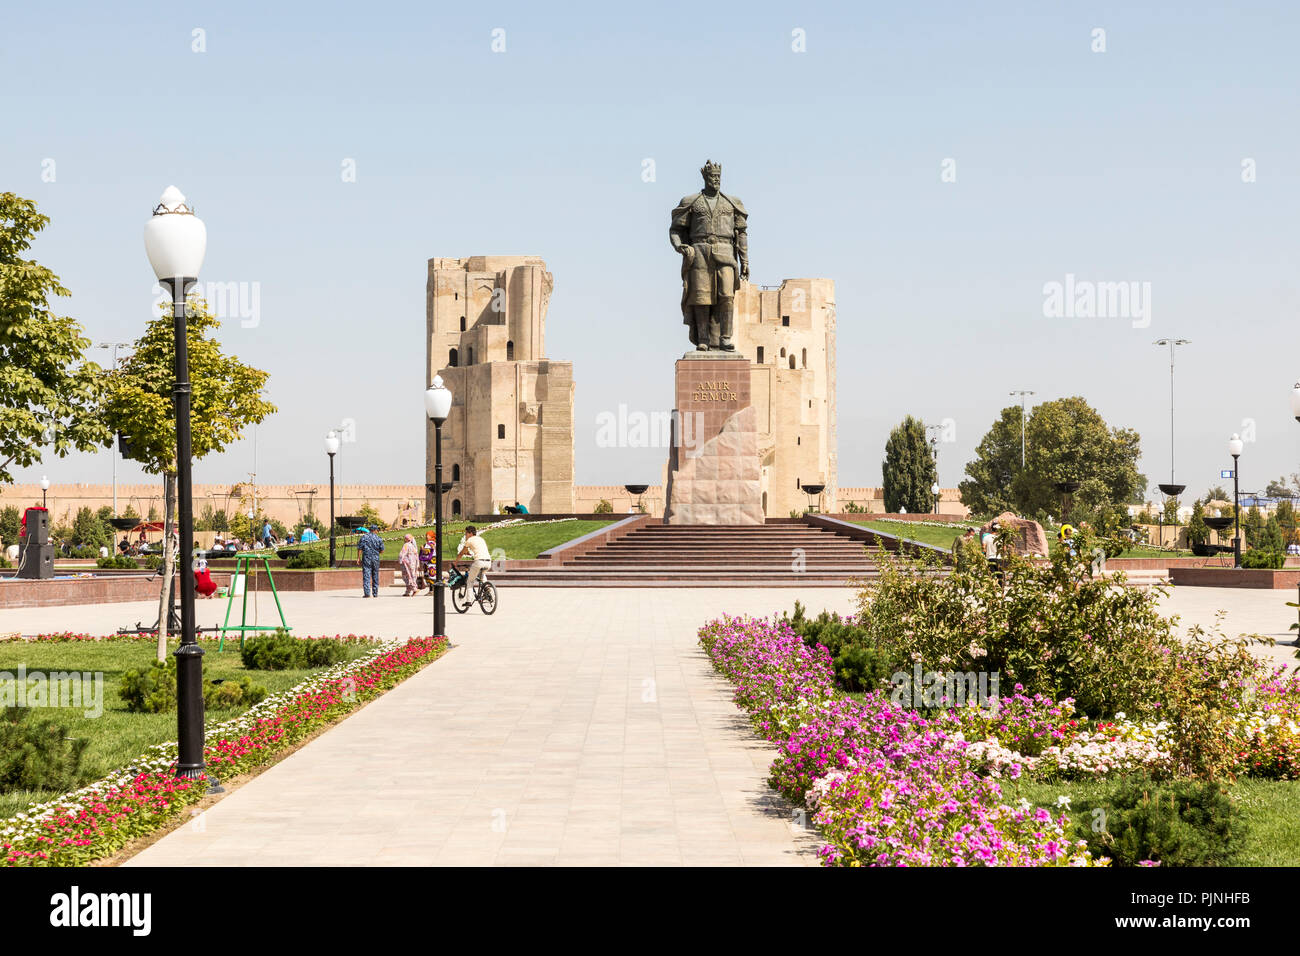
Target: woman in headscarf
{"x":409,"y":559}
{"x":426,"y":561}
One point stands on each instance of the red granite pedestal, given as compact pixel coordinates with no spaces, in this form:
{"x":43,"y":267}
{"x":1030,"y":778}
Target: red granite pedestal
{"x":713,"y":466}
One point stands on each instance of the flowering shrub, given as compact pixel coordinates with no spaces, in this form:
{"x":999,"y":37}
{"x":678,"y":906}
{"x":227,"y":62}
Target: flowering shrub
{"x":99,"y":819}
{"x":1053,"y":627}
{"x":887,"y":786}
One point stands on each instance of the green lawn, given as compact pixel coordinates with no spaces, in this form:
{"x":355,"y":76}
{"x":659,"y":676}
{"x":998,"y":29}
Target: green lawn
{"x":1271,"y":808}
{"x":526,"y":540}
{"x":942,"y":537}
{"x":924,"y":533}
{"x":117,"y":736}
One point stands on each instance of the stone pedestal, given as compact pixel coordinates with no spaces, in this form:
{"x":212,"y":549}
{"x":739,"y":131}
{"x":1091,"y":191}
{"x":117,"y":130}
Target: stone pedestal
{"x":713,"y":465}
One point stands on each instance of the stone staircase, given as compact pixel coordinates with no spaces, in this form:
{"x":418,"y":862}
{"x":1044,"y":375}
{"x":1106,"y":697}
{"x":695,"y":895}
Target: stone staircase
{"x":781,"y":553}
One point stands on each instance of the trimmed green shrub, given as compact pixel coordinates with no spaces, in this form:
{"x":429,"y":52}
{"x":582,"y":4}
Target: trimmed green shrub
{"x":153,"y":691}
{"x":603,"y":507}
{"x":859,"y":663}
{"x":307,"y":559}
{"x":36,"y":752}
{"x":1178,"y":823}
{"x":118,"y":561}
{"x":232,"y":692}
{"x":1267,"y":560}
{"x":278,"y":651}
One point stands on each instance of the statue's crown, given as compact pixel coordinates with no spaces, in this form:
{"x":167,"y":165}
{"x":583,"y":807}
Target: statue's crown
{"x":711,"y":167}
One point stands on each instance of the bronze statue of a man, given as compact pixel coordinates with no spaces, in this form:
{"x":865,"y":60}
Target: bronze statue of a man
{"x":709,"y":230}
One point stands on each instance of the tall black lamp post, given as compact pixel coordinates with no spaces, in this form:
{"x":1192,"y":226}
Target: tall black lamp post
{"x":175,"y":240}
{"x":437,"y":405}
{"x":332,"y":449}
{"x":1234,"y":449}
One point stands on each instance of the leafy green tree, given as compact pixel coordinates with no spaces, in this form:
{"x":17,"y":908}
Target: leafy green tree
{"x":48,"y":391}
{"x":1252,"y":527}
{"x":88,"y":530}
{"x":1217,"y":493}
{"x":987,"y":489}
{"x":226,"y":396}
{"x":1278,"y":488}
{"x":1198,"y":532}
{"x":1065,"y":440}
{"x":371,"y":517}
{"x":130,"y":512}
{"x":1170,"y":514}
{"x":219,"y":521}
{"x":908,"y":469}
{"x":1286,"y":519}
{"x":10,"y":523}
{"x":1270,"y":538}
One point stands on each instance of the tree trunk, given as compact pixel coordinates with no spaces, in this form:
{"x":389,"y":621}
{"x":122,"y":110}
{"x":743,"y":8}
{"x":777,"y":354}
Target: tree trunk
{"x":169,"y":562}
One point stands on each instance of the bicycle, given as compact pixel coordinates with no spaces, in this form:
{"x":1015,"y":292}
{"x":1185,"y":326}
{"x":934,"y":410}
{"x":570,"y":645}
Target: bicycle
{"x":485,"y":592}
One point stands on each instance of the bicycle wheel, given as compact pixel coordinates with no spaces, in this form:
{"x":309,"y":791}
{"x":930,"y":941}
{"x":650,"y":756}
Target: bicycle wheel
{"x":487,"y":597}
{"x":460,"y":598}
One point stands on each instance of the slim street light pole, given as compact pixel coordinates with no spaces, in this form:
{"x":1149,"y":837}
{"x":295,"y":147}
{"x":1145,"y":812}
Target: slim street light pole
{"x":437,"y":405}
{"x":439,"y":598}
{"x":114,"y":346}
{"x":1022,"y":392}
{"x":175,"y":240}
{"x":1234,"y":449}
{"x":331,"y":449}
{"x":1173,"y":345}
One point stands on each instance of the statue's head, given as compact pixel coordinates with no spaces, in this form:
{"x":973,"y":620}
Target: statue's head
{"x":712,"y":173}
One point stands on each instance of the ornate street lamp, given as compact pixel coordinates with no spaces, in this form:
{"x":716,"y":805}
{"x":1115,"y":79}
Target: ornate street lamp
{"x":45,"y":486}
{"x":332,"y":449}
{"x":934,"y":490}
{"x":437,"y":405}
{"x":175,"y":240}
{"x":1234,"y":449}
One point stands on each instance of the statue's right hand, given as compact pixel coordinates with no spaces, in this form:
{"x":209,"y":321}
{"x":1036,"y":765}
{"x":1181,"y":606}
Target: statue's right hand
{"x":688,"y":252}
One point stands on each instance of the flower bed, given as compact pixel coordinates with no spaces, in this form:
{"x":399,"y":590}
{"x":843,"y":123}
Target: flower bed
{"x":887,"y":786}
{"x":97,"y":820}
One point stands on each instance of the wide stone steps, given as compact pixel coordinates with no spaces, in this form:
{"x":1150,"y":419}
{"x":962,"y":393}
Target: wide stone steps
{"x":788,"y":553}
{"x":570,"y":576}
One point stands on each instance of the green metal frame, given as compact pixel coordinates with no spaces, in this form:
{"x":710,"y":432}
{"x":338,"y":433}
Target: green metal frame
{"x":243,"y":562}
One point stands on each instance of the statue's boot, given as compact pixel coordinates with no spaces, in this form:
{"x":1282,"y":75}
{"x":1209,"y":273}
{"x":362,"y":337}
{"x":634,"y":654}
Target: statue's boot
{"x":701,"y":328}
{"x":726,"y":310}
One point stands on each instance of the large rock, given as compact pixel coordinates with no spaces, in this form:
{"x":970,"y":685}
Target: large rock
{"x":1029,"y":535}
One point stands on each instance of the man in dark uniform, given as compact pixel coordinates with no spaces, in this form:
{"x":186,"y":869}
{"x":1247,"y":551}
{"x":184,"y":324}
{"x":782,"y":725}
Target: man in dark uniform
{"x":709,"y":231}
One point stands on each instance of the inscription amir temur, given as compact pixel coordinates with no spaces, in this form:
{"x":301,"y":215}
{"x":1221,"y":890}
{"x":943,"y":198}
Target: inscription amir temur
{"x":714,"y":392}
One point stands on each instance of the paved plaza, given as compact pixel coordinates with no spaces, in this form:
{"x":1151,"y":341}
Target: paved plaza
{"x":573,"y":727}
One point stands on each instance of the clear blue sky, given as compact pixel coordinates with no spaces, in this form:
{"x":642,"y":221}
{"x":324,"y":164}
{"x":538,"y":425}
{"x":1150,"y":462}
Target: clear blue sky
{"x":1123,"y":165}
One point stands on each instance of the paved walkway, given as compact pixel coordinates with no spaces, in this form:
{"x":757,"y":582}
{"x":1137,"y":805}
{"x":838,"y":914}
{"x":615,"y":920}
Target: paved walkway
{"x":572,"y":727}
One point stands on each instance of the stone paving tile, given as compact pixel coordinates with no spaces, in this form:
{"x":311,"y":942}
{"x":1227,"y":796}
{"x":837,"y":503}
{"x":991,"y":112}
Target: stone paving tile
{"x":601,"y":740}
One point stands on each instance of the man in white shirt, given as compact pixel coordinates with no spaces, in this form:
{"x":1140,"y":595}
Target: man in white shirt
{"x":476,"y":549}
